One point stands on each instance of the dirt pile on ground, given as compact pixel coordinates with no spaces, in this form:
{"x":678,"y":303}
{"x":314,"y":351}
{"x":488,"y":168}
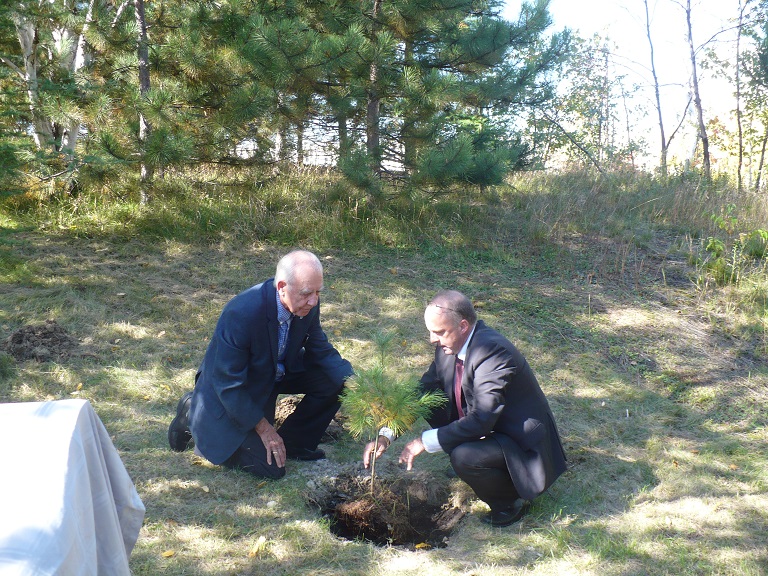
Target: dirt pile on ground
{"x":287,"y":404}
{"x":41,"y":342}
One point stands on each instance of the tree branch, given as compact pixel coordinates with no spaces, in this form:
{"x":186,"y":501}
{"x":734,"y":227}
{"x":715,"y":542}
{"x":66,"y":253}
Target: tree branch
{"x":13,"y":67}
{"x":573,"y":141}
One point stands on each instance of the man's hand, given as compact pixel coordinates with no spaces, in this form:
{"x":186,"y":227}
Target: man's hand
{"x":371,"y":447}
{"x":272,"y":442}
{"x":411,"y":450}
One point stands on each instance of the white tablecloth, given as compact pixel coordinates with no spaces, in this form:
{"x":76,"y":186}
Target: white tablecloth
{"x":67,"y":504}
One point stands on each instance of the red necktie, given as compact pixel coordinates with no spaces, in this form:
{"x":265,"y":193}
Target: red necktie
{"x":459,"y":374}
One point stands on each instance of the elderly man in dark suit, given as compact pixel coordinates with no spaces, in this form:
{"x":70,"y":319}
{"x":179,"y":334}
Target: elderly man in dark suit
{"x":497,"y":428}
{"x":268,"y":341}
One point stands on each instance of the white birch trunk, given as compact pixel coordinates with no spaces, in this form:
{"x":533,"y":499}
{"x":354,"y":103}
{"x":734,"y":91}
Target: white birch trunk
{"x":43,"y":128}
{"x":73,"y":57}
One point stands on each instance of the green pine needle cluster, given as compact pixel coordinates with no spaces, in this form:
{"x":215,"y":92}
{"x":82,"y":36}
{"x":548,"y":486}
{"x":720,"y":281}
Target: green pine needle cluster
{"x":373,"y":398}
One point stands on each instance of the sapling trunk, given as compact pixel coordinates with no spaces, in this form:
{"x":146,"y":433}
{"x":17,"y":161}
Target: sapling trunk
{"x":373,"y":462}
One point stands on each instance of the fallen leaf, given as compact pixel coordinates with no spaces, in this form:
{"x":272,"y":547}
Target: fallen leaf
{"x":393,"y":271}
{"x":733,"y":467}
{"x":423,"y":546}
{"x":259,"y":547}
{"x":696,"y":452}
{"x":79,"y":386}
{"x":206,"y":489}
{"x":169,"y":553}
{"x":161,"y":334}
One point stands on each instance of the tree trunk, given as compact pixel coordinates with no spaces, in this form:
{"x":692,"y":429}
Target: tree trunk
{"x":344,"y":144}
{"x":71,"y":134}
{"x":145,"y":128}
{"x":664,"y":143}
{"x":374,"y":98}
{"x":300,"y":144}
{"x":762,"y":161}
{"x":739,"y":181}
{"x":697,"y":97}
{"x":43,"y":127}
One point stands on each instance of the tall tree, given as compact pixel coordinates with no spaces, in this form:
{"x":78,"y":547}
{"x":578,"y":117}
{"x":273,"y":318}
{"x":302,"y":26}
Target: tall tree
{"x":142,"y":54}
{"x":447,"y":73}
{"x":587,"y":120}
{"x":665,"y":142}
{"x":49,"y":63}
{"x":756,"y":69}
{"x":702,"y":127}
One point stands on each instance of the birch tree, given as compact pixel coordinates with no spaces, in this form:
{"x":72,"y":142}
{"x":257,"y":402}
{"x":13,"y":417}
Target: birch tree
{"x":702,"y":127}
{"x":53,"y":54}
{"x":665,"y":142}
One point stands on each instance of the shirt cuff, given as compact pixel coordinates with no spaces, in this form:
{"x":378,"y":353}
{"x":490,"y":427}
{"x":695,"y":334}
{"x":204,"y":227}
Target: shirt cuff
{"x":388,"y":433}
{"x":429,"y":439}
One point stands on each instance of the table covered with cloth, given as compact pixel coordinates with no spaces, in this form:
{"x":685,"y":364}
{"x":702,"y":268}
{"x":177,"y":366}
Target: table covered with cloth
{"x":67,"y":504}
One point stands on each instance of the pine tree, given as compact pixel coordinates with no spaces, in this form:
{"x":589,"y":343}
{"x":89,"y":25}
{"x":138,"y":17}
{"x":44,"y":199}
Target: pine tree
{"x":373,"y":398}
{"x":448,"y":71}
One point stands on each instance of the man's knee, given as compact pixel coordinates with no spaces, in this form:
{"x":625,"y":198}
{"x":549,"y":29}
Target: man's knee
{"x":462,"y":457}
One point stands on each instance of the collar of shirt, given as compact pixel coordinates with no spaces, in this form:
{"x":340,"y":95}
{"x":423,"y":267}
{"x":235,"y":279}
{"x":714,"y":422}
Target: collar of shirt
{"x":462,"y":355}
{"x":283,"y":315}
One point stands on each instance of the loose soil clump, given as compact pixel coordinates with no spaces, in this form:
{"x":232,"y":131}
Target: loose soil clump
{"x":412,"y":509}
{"x":40,"y":342}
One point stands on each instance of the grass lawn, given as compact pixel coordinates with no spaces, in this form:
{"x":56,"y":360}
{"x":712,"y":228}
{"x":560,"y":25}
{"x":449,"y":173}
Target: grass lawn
{"x":657,"y":377}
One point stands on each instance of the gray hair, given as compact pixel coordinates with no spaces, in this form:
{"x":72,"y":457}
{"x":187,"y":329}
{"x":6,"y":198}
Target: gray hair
{"x":286,"y":267}
{"x":456,"y":305}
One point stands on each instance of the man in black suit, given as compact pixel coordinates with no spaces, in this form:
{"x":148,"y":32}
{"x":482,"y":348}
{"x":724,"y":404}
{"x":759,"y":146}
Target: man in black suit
{"x":268,"y":341}
{"x":497,"y":427}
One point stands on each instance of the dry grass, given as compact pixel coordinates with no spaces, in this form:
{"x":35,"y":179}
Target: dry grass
{"x":659,"y":387}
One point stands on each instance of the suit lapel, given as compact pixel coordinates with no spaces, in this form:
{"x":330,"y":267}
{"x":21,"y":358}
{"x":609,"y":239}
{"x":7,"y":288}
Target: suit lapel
{"x":272,"y":323}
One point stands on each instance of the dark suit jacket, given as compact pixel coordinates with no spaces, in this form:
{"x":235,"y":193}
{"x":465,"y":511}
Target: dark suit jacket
{"x":503,"y":400}
{"x":237,"y":375}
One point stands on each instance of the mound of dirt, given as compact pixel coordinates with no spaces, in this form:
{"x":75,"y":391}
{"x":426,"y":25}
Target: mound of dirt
{"x":287,"y":404}
{"x":41,"y":342}
{"x":405,"y":509}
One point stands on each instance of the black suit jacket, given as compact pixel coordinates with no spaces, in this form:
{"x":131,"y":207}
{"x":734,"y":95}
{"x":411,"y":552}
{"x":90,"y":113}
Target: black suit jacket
{"x":237,"y":375}
{"x":503,"y":400}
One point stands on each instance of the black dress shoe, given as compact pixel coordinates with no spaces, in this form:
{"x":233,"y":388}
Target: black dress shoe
{"x":305,"y":454}
{"x":507,"y":516}
{"x":179,"y":435}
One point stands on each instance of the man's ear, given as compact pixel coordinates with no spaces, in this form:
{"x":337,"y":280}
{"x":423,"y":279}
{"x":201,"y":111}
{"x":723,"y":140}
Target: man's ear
{"x":281,"y":284}
{"x":464,"y":326}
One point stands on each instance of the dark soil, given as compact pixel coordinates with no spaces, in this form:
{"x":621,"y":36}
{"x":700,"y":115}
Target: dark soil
{"x":406,"y":509}
{"x":41,"y":342}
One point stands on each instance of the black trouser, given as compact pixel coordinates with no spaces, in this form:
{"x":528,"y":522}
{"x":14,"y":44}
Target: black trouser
{"x":301,"y":430}
{"x":481,"y":464}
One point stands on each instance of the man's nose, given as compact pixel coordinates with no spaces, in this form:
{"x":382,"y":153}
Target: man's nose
{"x":313,"y":300}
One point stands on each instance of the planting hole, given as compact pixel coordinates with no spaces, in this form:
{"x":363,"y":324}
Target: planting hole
{"x":411,"y":509}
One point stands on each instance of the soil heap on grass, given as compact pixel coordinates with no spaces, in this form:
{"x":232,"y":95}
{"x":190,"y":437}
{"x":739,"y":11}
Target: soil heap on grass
{"x":40,"y":342}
